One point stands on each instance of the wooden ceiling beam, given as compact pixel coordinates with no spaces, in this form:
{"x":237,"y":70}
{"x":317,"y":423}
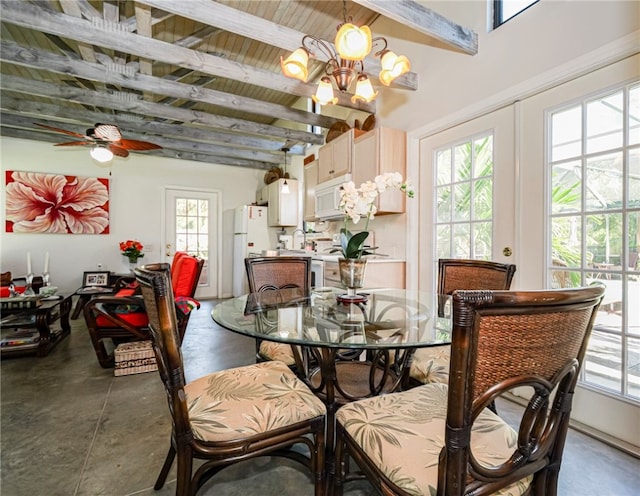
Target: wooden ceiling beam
{"x":41,"y":59}
{"x":130,"y":103}
{"x":177,"y":154}
{"x":424,"y":20}
{"x":102,"y":34}
{"x":263,"y":30}
{"x":74,"y":116}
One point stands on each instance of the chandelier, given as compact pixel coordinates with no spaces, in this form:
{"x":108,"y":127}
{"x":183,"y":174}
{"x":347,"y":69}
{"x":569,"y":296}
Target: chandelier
{"x":346,"y":63}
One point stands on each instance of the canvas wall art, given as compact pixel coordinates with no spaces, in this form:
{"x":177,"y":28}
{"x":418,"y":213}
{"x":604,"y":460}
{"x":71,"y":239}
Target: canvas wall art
{"x":54,"y":203}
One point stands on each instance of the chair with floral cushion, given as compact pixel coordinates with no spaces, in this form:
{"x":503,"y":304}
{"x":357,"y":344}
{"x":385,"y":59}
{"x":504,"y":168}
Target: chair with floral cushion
{"x":232,"y":415}
{"x":269,"y":273}
{"x":432,"y":364}
{"x":122,"y":318}
{"x":443,"y":439}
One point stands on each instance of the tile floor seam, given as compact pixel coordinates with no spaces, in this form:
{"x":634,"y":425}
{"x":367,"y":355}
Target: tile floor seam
{"x":93,"y":437}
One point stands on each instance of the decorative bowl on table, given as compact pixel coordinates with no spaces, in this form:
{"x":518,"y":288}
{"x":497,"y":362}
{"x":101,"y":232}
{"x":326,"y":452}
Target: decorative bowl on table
{"x":48,"y":290}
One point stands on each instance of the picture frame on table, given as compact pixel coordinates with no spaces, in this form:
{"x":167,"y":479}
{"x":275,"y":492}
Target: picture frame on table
{"x":95,"y":278}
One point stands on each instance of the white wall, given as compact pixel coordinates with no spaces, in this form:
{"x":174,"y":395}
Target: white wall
{"x":136,"y":199}
{"x":549,"y":34}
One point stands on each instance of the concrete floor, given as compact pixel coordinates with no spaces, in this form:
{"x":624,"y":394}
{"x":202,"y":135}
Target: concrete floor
{"x":70,"y":427}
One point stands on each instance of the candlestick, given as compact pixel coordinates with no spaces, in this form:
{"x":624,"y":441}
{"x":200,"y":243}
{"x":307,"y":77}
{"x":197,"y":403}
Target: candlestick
{"x":46,"y":262}
{"x":29,"y":263}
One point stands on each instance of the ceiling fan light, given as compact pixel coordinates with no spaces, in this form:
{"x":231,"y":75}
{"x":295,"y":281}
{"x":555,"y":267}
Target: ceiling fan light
{"x":101,"y":154}
{"x":392,"y":66}
{"x":295,"y":65}
{"x":364,"y":90}
{"x":324,"y":93}
{"x":353,"y":42}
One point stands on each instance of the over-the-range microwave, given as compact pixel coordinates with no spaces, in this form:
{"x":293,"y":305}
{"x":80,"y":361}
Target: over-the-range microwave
{"x":328,"y":197}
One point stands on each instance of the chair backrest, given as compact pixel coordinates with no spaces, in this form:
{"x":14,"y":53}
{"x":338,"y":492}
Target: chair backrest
{"x":185,"y":274}
{"x":155,"y":284}
{"x":473,"y":274}
{"x":266,"y":273}
{"x":454,"y":273}
{"x":507,"y":339}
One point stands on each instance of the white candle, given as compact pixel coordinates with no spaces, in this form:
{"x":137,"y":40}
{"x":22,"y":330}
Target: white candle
{"x":29,"y":263}
{"x":46,"y":262}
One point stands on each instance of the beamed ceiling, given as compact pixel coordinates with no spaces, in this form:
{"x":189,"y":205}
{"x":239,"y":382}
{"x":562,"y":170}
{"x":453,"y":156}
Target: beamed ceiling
{"x":201,"y":78}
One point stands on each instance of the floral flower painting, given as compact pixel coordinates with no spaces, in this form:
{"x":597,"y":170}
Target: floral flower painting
{"x":55,"y":203}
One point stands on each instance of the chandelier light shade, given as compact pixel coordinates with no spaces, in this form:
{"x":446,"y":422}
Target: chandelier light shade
{"x":346,"y":63}
{"x":101,"y":154}
{"x":296,"y":64}
{"x":324,"y":93}
{"x":392,"y":66}
{"x":352,"y":42}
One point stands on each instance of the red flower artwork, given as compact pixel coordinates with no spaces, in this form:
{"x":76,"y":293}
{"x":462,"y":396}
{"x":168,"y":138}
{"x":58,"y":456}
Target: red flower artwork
{"x":55,"y":203}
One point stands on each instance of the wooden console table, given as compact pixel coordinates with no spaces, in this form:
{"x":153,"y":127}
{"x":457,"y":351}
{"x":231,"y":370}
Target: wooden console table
{"x":16,"y":323}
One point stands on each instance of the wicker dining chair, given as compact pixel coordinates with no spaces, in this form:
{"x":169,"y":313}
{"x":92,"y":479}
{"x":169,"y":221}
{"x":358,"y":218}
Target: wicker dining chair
{"x":432,"y":364}
{"x":232,"y":415}
{"x":269,"y":273}
{"x":442,"y":439}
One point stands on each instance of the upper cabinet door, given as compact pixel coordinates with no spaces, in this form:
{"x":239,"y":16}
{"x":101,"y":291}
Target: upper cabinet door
{"x":377,"y":152}
{"x":335,"y":158}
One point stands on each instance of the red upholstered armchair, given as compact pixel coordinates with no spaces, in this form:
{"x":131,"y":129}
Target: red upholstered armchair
{"x":121,"y":317}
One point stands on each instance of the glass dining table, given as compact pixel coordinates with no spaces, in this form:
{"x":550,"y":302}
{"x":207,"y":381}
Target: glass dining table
{"x":343,"y":351}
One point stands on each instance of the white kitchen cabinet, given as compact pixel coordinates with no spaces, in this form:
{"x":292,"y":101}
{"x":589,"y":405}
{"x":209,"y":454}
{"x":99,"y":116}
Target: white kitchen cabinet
{"x":310,"y":183}
{"x":379,"y":274}
{"x":335,"y":158}
{"x":283,"y":207}
{"x":377,"y":152}
{"x":262,"y":195}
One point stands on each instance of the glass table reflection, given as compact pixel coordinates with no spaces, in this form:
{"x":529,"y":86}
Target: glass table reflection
{"x":343,"y":351}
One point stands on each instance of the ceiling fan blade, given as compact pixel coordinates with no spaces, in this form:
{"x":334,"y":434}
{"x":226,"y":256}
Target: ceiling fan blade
{"x":63,"y":131}
{"x":117,"y":150}
{"x":75,"y":143}
{"x":137,"y":145}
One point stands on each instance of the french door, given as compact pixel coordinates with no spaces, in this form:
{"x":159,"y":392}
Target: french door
{"x":192,"y":225}
{"x":466,"y":194}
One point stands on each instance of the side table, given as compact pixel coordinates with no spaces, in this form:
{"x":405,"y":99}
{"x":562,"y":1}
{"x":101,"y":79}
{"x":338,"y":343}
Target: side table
{"x":16,"y":323}
{"x":85,"y":294}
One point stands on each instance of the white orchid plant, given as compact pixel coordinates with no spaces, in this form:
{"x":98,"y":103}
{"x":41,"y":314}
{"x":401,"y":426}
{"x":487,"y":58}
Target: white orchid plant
{"x":359,"y":203}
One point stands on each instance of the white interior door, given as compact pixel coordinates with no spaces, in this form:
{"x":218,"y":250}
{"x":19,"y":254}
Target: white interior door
{"x":192,"y":224}
{"x":500,"y":126}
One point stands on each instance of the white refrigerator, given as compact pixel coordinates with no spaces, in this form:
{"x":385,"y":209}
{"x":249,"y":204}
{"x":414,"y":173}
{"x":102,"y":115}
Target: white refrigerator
{"x":251,"y":235}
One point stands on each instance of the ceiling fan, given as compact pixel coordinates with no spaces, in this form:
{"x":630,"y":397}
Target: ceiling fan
{"x":106,"y":141}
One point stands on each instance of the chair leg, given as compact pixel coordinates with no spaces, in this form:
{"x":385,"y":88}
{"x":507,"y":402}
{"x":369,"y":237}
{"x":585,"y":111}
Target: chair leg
{"x":106,"y":361}
{"x":184,"y":485}
{"x":168,"y":461}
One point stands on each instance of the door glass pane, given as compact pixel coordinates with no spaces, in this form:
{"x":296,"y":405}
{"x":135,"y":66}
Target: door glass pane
{"x":603,"y":365}
{"x":461,"y":241}
{"x":605,"y":118}
{"x":604,"y":240}
{"x":566,"y":187}
{"x":634,"y":115}
{"x":443,"y":206}
{"x":604,"y":182}
{"x":633,"y":367}
{"x":483,"y":199}
{"x":634,"y":178}
{"x":462,"y":201}
{"x":566,"y":134}
{"x":566,"y":240}
{"x":443,"y":166}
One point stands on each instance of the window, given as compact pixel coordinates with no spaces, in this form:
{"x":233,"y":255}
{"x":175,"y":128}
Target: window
{"x":503,"y":10}
{"x":593,"y":165}
{"x":464,"y":199}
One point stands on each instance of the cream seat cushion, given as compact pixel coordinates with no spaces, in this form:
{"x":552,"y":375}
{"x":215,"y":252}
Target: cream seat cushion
{"x":277,"y":351}
{"x":249,"y":400}
{"x":403,"y":433}
{"x":431,"y":364}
